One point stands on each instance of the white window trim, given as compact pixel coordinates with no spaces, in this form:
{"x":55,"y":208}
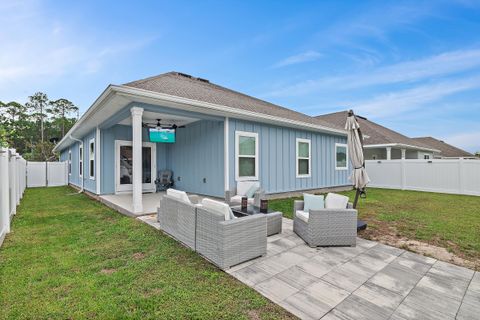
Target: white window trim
{"x":346,"y":153}
{"x":298,"y":175}
{"x":80,"y":160}
{"x":237,"y":151}
{"x":90,"y":158}
{"x":70,"y":162}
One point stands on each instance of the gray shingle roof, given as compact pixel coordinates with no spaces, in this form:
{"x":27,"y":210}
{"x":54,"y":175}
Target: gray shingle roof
{"x":446,"y":149}
{"x":185,"y":86}
{"x":376,"y":133}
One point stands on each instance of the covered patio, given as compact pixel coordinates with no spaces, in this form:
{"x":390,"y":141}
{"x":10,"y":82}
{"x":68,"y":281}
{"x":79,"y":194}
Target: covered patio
{"x":123,"y":203}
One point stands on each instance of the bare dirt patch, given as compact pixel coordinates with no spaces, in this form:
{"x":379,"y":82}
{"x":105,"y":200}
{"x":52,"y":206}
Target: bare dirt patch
{"x":138,"y":255}
{"x":108,"y":271}
{"x":426,"y":249}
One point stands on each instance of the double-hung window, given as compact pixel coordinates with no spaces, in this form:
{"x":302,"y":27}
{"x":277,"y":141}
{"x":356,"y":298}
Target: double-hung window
{"x":341,"y":156}
{"x":304,"y":158}
{"x":246,"y":155}
{"x":91,"y":158}
{"x":80,"y":161}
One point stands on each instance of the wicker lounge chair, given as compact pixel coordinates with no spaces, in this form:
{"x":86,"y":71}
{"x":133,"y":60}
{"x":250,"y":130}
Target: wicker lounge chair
{"x":177,"y":216}
{"x":325,"y":227}
{"x":234,"y":196}
{"x":228,"y":241}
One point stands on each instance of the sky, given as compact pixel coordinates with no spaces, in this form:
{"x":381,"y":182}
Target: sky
{"x":411,"y":66}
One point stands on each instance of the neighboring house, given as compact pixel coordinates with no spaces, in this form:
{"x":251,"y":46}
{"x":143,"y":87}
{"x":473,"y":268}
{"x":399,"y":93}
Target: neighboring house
{"x":221,"y":137}
{"x":446,"y":150}
{"x":381,"y":142}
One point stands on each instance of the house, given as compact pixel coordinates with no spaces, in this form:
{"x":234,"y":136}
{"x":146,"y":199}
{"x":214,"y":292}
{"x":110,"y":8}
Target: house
{"x":446,"y":150}
{"x":381,"y":142}
{"x":214,"y":137}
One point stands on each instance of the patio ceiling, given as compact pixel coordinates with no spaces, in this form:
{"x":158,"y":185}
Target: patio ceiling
{"x":166,"y":118}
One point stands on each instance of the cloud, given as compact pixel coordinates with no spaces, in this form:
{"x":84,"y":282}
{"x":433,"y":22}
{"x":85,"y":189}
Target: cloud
{"x":299,"y":58}
{"x":439,"y":65}
{"x":467,"y":140}
{"x":398,"y":102}
{"x":38,"y":48}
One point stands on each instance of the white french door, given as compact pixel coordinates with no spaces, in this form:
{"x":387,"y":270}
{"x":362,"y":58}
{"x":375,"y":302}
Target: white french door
{"x":123,"y":166}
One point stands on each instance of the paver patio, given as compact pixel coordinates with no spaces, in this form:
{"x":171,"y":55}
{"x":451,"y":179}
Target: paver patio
{"x":370,"y":281}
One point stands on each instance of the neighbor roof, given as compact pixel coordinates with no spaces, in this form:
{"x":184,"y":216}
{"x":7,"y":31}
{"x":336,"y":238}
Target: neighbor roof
{"x":374,"y":134}
{"x":446,"y":149}
{"x":185,"y":86}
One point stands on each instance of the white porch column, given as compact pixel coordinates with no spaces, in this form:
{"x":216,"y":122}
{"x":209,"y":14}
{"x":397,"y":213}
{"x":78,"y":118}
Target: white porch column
{"x":404,"y":153}
{"x":137,"y":159}
{"x":389,"y":153}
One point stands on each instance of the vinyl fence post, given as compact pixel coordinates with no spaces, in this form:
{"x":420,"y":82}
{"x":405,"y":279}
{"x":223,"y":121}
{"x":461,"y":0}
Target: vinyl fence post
{"x":403,"y":174}
{"x":461,"y":181}
{"x":12,"y":176}
{"x":4,"y":193}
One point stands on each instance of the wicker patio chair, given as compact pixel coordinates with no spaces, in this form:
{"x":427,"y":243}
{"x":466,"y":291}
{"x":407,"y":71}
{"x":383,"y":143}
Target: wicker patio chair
{"x":234,"y":196}
{"x":229,"y":242}
{"x":326,"y":227}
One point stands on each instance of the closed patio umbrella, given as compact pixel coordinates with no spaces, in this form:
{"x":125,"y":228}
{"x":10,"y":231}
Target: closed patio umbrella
{"x":359,"y":176}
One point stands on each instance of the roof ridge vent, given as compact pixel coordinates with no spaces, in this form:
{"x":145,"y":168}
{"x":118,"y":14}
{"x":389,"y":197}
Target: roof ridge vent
{"x":184,"y":75}
{"x":203,"y":80}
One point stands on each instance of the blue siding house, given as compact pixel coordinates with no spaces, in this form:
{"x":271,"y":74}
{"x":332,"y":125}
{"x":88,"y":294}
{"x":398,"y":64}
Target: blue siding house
{"x":217,"y":137}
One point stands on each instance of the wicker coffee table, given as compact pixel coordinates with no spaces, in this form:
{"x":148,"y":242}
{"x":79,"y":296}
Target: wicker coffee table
{"x":274,"y":218}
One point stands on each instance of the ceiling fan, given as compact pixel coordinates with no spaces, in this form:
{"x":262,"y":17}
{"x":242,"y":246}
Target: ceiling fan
{"x":159,"y":125}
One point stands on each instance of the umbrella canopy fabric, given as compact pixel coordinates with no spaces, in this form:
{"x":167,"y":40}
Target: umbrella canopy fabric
{"x":359,"y":176}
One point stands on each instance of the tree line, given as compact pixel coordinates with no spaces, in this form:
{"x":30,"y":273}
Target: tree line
{"x":35,"y":127}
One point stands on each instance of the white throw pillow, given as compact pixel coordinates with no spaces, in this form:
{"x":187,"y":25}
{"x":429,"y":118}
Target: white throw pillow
{"x":336,"y":201}
{"x":244,"y":186}
{"x":302,"y":215}
{"x":180,"y":195}
{"x":219,"y":207}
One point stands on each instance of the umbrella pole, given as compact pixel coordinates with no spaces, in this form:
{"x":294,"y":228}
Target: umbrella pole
{"x":357,"y":194}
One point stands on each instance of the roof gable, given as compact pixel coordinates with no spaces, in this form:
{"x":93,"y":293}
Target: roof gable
{"x":373,"y":132}
{"x":446,"y":149}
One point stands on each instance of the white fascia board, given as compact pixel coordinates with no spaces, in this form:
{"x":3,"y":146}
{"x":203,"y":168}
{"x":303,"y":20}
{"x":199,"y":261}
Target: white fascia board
{"x":215,"y":109}
{"x":399,"y":145}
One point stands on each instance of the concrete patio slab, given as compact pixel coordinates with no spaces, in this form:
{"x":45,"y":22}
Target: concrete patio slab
{"x":370,"y":281}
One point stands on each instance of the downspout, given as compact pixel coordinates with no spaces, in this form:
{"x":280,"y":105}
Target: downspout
{"x":83,"y":152}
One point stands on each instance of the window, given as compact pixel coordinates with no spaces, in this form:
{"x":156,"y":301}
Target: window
{"x":80,"y":160}
{"x":426,"y":156}
{"x":246,"y":155}
{"x":91,"y":158}
{"x":69,"y":162}
{"x":341,"y":156}
{"x":303,"y":158}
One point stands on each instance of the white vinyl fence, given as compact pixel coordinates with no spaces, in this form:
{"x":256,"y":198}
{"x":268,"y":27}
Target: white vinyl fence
{"x":12,"y":185}
{"x":459,"y":176}
{"x":47,"y":174}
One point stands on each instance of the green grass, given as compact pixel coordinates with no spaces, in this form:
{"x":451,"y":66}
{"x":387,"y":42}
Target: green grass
{"x":445,"y":220}
{"x":69,"y":257}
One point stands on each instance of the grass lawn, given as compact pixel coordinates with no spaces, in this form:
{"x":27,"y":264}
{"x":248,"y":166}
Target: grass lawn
{"x":448,"y":221}
{"x":69,"y":257}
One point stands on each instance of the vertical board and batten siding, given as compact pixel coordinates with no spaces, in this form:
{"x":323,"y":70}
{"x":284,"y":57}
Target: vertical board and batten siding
{"x":74,"y":178}
{"x":107,"y":145}
{"x":198,"y":154}
{"x":277,"y":157}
